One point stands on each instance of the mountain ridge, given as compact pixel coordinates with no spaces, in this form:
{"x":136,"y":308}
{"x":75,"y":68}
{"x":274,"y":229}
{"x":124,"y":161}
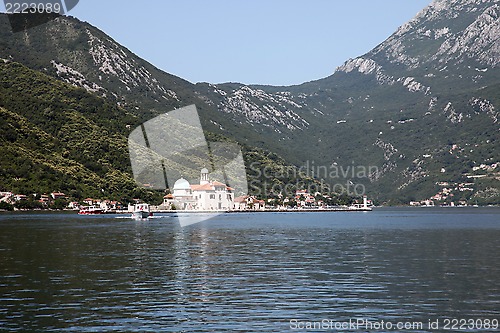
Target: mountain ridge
{"x":57,"y":137}
{"x":403,"y":79}
{"x":416,"y":94}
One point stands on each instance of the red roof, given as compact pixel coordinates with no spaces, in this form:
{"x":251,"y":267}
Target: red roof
{"x":205,"y":187}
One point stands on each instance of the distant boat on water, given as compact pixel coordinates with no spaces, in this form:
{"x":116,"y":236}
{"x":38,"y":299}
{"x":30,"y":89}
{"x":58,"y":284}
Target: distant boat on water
{"x":141,"y":211}
{"x":90,"y":210}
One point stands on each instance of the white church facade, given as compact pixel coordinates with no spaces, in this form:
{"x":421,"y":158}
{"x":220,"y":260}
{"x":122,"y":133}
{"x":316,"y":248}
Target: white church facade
{"x":206,"y":196}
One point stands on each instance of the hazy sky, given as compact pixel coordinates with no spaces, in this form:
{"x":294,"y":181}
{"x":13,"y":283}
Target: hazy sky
{"x":279,"y":42}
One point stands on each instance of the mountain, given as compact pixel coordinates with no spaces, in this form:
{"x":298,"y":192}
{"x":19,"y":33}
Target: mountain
{"x":82,"y":55}
{"x":66,"y":131}
{"x":56,"y":137}
{"x":422,"y":108}
{"x":415,"y":117}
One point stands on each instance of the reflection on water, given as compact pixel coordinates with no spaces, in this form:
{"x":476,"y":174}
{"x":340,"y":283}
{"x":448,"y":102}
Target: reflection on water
{"x":246,"y":272}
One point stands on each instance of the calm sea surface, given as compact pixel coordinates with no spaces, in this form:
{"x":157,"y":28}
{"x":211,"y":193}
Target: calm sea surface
{"x":267,"y":272}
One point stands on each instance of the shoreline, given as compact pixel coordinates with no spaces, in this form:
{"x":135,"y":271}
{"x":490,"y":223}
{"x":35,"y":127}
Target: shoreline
{"x":325,"y":210}
{"x":263,"y":211}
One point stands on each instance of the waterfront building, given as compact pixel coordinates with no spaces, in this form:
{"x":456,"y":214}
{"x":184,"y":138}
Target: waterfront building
{"x":58,"y":195}
{"x":248,"y":202}
{"x":206,"y":196}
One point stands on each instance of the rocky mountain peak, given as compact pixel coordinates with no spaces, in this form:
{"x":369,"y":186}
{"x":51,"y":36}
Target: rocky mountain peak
{"x":450,"y":32}
{"x":448,"y":35}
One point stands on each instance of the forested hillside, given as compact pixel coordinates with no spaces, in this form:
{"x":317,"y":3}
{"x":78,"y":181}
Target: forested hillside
{"x":57,"y":137}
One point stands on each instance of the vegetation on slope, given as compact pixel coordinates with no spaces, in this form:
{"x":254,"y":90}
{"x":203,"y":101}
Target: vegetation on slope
{"x":56,"y":137}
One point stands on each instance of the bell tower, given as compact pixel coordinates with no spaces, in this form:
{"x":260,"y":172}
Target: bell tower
{"x":204,"y":176}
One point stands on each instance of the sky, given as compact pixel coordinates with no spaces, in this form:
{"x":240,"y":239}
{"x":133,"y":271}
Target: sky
{"x":277,"y":42}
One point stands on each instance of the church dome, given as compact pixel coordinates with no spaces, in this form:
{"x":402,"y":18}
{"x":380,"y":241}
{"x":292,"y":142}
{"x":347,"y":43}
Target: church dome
{"x":182,"y":184}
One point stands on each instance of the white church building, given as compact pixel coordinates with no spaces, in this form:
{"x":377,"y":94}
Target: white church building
{"x":207,"y":196}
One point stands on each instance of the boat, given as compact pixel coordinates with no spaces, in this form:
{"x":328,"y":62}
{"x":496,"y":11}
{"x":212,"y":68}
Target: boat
{"x":90,"y":210}
{"x":141,"y":211}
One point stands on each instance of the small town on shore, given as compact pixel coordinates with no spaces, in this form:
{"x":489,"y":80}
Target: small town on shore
{"x":59,"y":201}
{"x":207,"y":196}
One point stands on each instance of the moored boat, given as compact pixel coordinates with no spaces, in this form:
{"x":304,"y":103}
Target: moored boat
{"x":90,"y":210}
{"x":141,"y":211}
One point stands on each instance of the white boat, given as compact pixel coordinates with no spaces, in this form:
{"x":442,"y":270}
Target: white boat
{"x":141,"y":211}
{"x":90,"y":210}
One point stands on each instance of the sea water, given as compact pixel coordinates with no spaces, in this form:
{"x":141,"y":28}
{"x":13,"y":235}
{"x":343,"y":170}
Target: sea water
{"x":252,"y":272}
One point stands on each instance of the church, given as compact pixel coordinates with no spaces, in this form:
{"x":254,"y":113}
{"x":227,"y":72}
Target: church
{"x":207,"y":196}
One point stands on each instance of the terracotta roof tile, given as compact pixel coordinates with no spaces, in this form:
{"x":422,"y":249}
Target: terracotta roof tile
{"x":205,"y":187}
